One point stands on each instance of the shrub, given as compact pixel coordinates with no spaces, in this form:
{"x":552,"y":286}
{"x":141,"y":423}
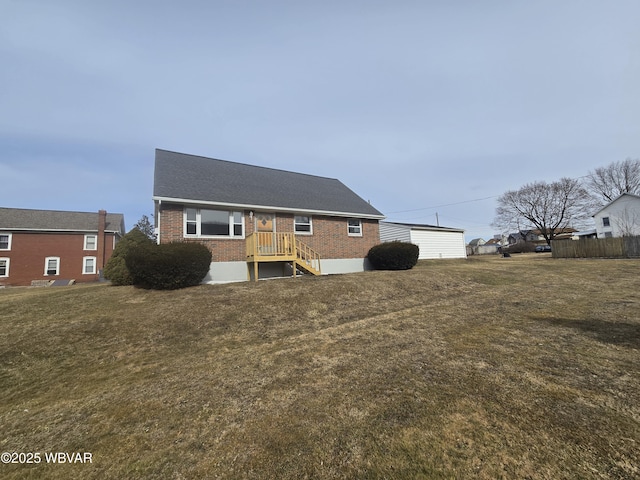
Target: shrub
{"x":394,"y":256}
{"x":116,"y":268}
{"x":168,"y":266}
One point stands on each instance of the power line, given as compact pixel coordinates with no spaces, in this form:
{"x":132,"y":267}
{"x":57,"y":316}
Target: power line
{"x":445,"y":205}
{"x":459,"y":203}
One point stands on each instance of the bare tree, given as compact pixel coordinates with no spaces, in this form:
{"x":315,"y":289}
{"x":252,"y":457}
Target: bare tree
{"x":548,"y":207}
{"x":146,"y":227}
{"x":607,"y":183}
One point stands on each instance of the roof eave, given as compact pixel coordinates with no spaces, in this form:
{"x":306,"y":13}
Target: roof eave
{"x":433,"y":228}
{"x":440,"y":229}
{"x":614,"y":201}
{"x":270,"y":208}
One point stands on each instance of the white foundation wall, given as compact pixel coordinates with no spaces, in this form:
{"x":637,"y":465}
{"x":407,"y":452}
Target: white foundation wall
{"x":227,"y":272}
{"x":344,"y":265}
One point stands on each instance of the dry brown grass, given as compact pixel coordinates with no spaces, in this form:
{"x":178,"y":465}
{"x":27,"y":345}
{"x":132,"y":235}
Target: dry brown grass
{"x":488,"y":368}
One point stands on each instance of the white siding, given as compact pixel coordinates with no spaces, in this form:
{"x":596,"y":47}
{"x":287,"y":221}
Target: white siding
{"x":623,"y":215}
{"x":439,"y":244}
{"x":434,"y":242}
{"x":390,"y":232}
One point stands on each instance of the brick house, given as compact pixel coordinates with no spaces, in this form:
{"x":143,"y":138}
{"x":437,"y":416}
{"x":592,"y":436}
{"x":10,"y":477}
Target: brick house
{"x":261,"y":222}
{"x":46,"y":245}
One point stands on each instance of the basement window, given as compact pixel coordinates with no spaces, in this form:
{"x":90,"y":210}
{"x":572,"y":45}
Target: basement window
{"x":4,"y":267}
{"x":302,"y":224}
{"x":52,"y":266}
{"x":200,"y":222}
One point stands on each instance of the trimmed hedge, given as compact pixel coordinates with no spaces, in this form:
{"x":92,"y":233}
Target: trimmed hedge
{"x":116,"y":269}
{"x":394,"y":256}
{"x":168,"y":266}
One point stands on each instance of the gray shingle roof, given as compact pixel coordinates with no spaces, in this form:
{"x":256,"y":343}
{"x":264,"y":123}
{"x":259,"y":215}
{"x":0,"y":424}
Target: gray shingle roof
{"x":195,"y":178}
{"x":56,"y":220}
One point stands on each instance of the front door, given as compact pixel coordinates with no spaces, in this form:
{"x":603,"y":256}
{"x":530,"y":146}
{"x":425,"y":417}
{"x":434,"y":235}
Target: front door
{"x":265,"y":225}
{"x":265,"y":222}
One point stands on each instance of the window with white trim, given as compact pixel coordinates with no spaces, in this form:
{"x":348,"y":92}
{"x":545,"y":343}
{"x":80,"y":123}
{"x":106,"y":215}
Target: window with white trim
{"x":89,"y":265}
{"x":606,"y":222}
{"x":4,"y":267}
{"x":201,"y":222}
{"x":52,"y":266}
{"x":90,"y":242}
{"x":5,"y":241}
{"x":302,"y":224}
{"x":354,"y":226}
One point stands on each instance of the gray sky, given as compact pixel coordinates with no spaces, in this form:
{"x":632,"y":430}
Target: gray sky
{"x":418,"y":106}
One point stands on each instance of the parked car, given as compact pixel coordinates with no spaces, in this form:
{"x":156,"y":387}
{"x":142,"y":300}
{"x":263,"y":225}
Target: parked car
{"x":543,"y":248}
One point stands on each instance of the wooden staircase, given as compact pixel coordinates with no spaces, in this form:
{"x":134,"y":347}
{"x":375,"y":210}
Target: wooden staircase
{"x":281,"y":247}
{"x":307,"y":259}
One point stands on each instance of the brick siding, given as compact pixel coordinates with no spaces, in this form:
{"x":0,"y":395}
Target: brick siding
{"x":330,"y":236}
{"x":29,"y":251}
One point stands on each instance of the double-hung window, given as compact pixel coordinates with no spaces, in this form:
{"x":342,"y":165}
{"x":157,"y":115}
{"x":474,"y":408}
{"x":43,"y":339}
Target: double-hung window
{"x":89,"y":265}
{"x":302,"y":224}
{"x":5,"y":241}
{"x":90,"y":242}
{"x":52,"y":266}
{"x":4,"y":267}
{"x":354,"y":226}
{"x":606,"y":222}
{"x":201,"y":222}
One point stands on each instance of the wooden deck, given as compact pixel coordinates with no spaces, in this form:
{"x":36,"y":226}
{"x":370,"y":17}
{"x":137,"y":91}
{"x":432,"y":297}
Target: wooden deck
{"x":280,"y":247}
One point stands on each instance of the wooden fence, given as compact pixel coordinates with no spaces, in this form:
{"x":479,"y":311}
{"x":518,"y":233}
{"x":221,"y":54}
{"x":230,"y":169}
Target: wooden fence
{"x":619,"y":247}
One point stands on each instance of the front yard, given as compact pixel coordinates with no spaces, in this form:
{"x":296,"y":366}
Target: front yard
{"x":525,"y":367}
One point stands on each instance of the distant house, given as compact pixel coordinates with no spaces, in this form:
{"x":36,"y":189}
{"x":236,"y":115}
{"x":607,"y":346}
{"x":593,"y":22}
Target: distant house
{"x":433,"y":242}
{"x":48,"y":245}
{"x":490,"y":247}
{"x":477,"y":242}
{"x":590,"y":233}
{"x":479,"y":246}
{"x":536,"y":236}
{"x":522,"y":236}
{"x":261,"y":222}
{"x":620,"y":217}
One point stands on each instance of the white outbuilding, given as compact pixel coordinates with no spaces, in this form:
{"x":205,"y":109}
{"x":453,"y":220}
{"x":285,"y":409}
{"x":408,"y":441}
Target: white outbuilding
{"x":433,"y":241}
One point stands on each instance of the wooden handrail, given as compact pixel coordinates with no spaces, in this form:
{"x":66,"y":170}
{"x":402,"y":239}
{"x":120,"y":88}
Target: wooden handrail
{"x":267,"y":246}
{"x":307,"y":256}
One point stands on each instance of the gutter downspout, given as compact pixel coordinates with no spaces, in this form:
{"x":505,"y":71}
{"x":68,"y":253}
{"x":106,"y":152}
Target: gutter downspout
{"x":158,"y":221}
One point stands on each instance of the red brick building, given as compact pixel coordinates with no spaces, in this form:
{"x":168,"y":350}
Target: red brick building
{"x":261,"y":222}
{"x":46,"y":245}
